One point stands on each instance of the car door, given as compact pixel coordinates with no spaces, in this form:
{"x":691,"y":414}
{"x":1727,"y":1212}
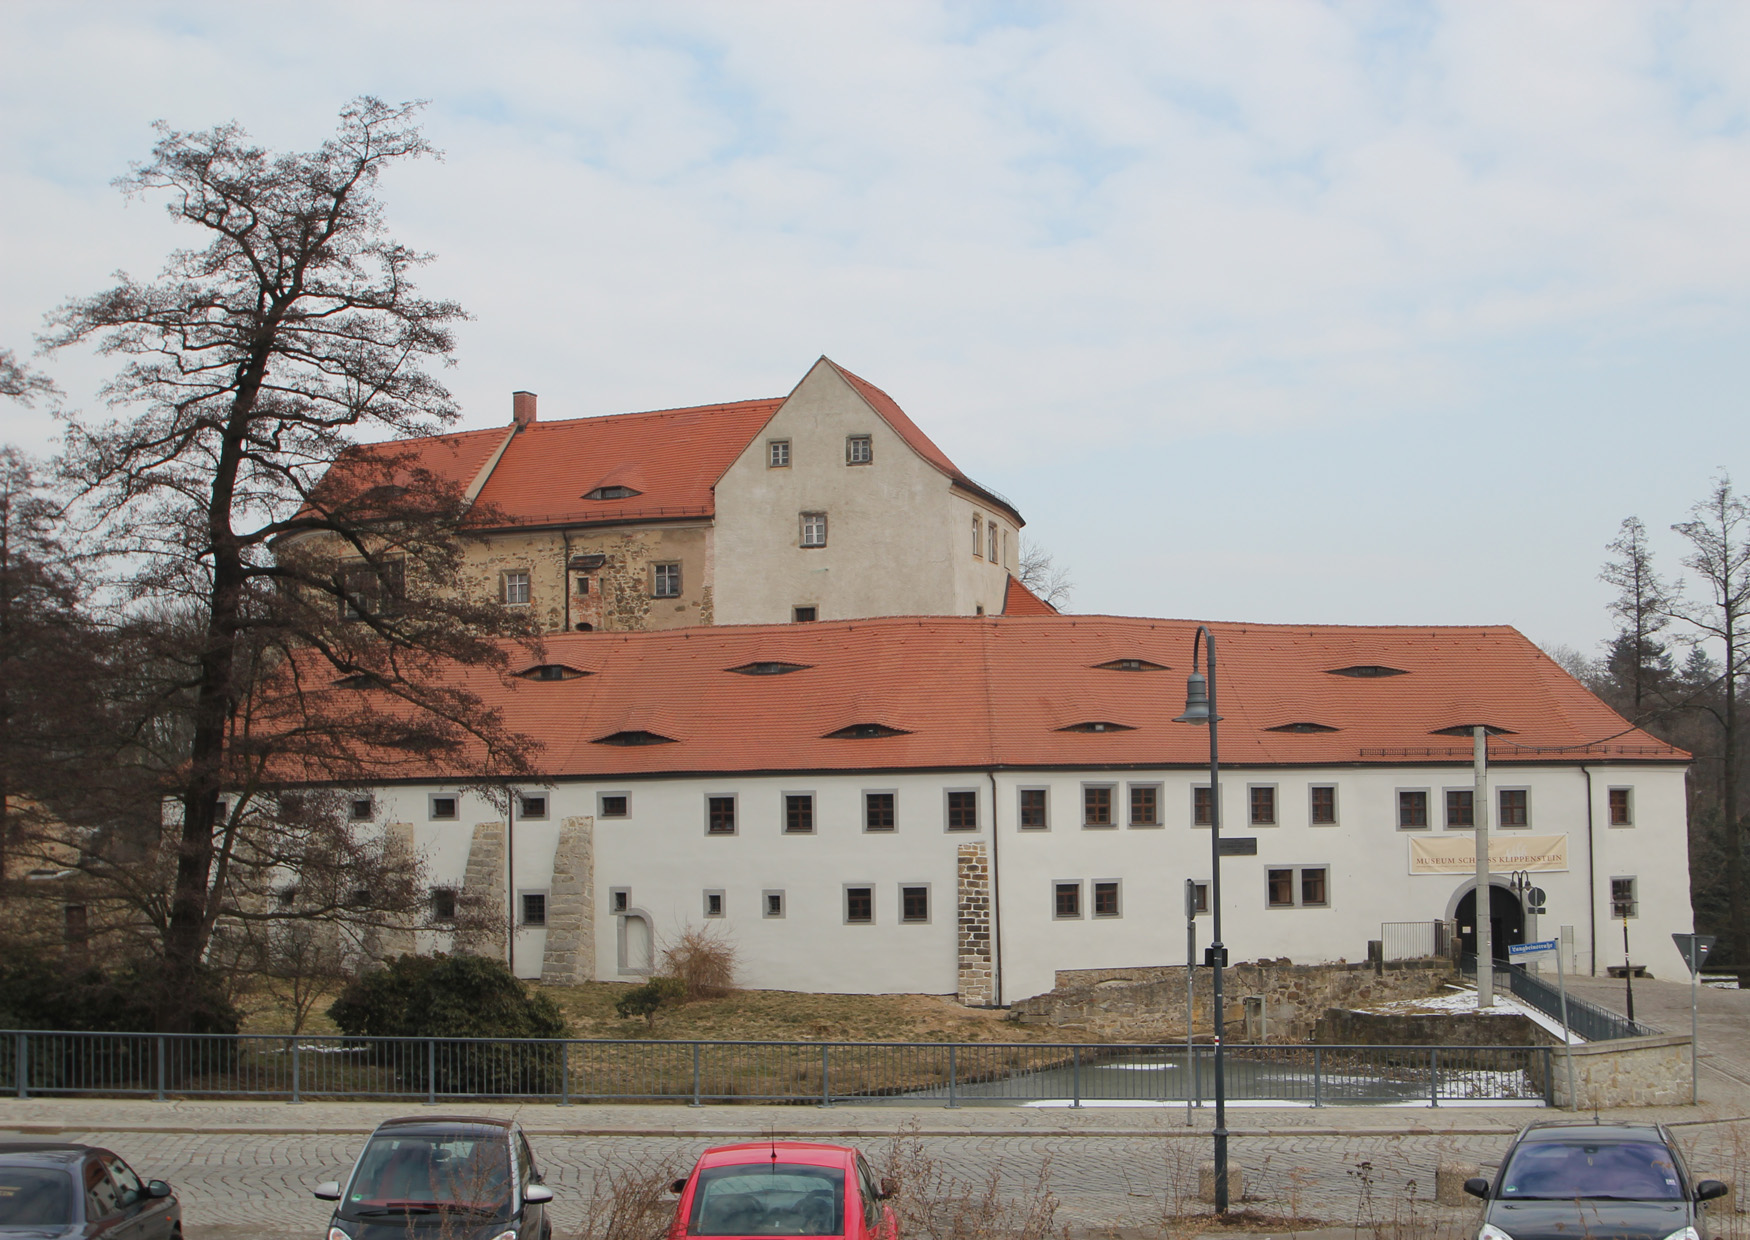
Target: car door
{"x":878,"y":1220}
{"x":103,"y":1209}
{"x":148,"y":1217}
{"x":534,"y":1215}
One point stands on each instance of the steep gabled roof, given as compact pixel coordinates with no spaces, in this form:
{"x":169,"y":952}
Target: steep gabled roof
{"x":1018,"y":600}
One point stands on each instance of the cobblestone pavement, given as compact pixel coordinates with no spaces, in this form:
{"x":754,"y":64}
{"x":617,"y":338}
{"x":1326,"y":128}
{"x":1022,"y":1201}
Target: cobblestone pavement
{"x":1723,"y":1018}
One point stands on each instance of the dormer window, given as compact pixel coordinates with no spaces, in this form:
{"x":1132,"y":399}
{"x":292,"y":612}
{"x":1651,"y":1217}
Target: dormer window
{"x":1469,"y":729}
{"x":1366,"y":671}
{"x":612,"y":492}
{"x":1131,"y":665}
{"x":361,"y":680}
{"x":1302,"y":727}
{"x":769,"y":668}
{"x":551,"y":671}
{"x":634,"y":738}
{"x":865,"y":731}
{"x":1098,"y":725}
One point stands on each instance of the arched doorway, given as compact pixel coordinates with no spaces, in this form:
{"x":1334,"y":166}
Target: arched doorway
{"x":1506,"y":920}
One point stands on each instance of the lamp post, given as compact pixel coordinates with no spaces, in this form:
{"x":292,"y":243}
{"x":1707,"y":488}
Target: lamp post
{"x":1200,"y":709}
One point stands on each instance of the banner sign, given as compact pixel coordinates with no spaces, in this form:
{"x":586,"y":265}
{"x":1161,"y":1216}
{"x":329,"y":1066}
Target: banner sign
{"x":1457,"y":854}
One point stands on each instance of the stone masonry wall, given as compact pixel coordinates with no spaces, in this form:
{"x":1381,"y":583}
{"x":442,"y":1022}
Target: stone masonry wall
{"x":570,"y":953}
{"x":977,"y":986}
{"x":395,"y":940}
{"x":1626,"y":1072}
{"x":482,"y":913}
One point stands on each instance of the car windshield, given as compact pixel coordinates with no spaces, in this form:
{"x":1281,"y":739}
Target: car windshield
{"x":769,"y":1199}
{"x":35,"y":1197}
{"x":1623,"y":1170}
{"x":467,"y":1170}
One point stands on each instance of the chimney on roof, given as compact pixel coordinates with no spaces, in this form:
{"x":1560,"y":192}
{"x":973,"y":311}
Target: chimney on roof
{"x":522,"y":408}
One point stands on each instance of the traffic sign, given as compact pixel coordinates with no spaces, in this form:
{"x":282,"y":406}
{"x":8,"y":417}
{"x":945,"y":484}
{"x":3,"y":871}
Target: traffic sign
{"x":1534,"y":900}
{"x":1702,"y":944}
{"x":1532,"y":949}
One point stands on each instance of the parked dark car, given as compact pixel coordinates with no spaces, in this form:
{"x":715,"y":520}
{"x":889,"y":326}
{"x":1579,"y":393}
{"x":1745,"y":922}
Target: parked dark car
{"x":783,"y":1188}
{"x":1624,"y":1181}
{"x":442,"y":1178}
{"x":50,"y":1188}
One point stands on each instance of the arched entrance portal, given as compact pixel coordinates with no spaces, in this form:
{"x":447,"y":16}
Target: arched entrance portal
{"x":1506,"y":920}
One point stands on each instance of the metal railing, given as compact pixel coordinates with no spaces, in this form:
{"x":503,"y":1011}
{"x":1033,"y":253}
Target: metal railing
{"x":821,"y":1073}
{"x":1594,"y":1023}
{"x":1418,"y":940}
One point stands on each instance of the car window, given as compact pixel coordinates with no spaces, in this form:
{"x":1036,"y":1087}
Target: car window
{"x":870,"y":1191}
{"x":469,"y":1168}
{"x":127,"y":1183}
{"x":526,"y":1157}
{"x":768,"y":1199}
{"x":1561,"y":1170}
{"x":101,"y":1196}
{"x":35,"y":1197}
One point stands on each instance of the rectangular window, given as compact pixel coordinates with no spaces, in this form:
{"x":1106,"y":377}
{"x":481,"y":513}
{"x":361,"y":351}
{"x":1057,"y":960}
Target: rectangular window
{"x":1324,"y":805}
{"x":443,"y":905}
{"x":798,"y":813}
{"x":804,"y":615}
{"x":1033,"y":809}
{"x":1412,"y":809}
{"x":1106,"y":898}
{"x":582,"y":587}
{"x":1096,"y":805}
{"x":963,"y":811}
{"x":1515,"y":807}
{"x":1312,"y":887}
{"x":878,"y":811}
{"x":532,"y":807}
{"x":1460,"y":807}
{"x":1280,"y":888}
{"x":1622,"y":807}
{"x":1066,"y":900}
{"x":977,"y":536}
{"x":1145,"y":805}
{"x":361,"y":809}
{"x":777,"y":454}
{"x":440,"y":808}
{"x":1263,"y":804}
{"x":720,"y":815}
{"x":514,"y":587}
{"x":713,"y":904}
{"x":614,"y":805}
{"x":1623,"y":902}
{"x":990,"y":528}
{"x":1200,"y":806}
{"x":914,"y":903}
{"x":75,"y":925}
{"x":860,"y":906}
{"x":534,"y":908}
{"x":667,"y":580}
{"x":1200,"y":898}
{"x":771,"y":903}
{"x":372,"y":591}
{"x":814,"y":529}
{"x":620,"y":900}
{"x":859,"y":450}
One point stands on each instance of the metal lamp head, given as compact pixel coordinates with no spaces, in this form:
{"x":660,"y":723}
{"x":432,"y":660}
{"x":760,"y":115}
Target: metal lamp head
{"x":1196,"y":700}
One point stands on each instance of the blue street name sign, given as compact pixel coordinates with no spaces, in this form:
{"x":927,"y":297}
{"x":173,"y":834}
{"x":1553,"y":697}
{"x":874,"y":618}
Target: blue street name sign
{"x":1532,"y":949}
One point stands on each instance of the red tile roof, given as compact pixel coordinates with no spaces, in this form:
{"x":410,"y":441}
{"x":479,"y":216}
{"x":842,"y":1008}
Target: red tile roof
{"x":980,"y":692}
{"x":1018,"y":600}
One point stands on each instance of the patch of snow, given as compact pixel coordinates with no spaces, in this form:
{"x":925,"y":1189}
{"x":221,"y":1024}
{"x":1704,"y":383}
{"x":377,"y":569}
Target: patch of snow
{"x":1464,"y":999}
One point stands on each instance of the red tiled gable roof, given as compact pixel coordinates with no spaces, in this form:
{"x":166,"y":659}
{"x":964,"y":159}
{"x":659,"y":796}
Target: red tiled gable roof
{"x":1018,"y":600}
{"x":981,"y":692}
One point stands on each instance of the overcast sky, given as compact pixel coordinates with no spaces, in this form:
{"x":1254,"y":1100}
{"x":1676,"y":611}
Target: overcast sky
{"x":1286,"y":312}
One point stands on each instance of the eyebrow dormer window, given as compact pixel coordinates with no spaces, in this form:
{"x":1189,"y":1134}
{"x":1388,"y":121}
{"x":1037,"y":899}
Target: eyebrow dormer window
{"x":1098,"y":725}
{"x":634,"y":738}
{"x":361,"y":680}
{"x":551,"y":671}
{"x":1302,"y":727}
{"x":615,"y":492}
{"x":769,"y":668}
{"x":865,"y":731}
{"x":1131,"y":665}
{"x":1469,"y":729}
{"x":1366,"y":671}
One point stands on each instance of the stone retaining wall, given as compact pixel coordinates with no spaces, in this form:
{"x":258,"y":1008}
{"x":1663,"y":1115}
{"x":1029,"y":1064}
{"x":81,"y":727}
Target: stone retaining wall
{"x":1626,"y":1072}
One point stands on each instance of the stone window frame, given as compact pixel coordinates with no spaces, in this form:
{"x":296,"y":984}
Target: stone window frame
{"x":1312,"y":818}
{"x":1109,"y":788}
{"x":1501,"y":822}
{"x":1252,"y":819}
{"x":893,"y":807}
{"x":1398,"y":805}
{"x":522,"y":907}
{"x":808,"y":525}
{"x":1628,"y":806}
{"x":668,"y":571}
{"x":992,"y":536}
{"x":524,"y":814}
{"x":864,"y":441}
{"x":1143,"y":785}
{"x":977,"y":536}
{"x":436,"y":900}
{"x":845,"y":890}
{"x":431,"y":806}
{"x":766,"y":897}
{"x":601,"y":804}
{"x":716,"y":893}
{"x":352,"y":809}
{"x":515,"y":581}
{"x":1296,"y":885}
{"x":1446,"y":822}
{"x":619,"y":901}
{"x":1058,"y":887}
{"x":1200,"y":895}
{"x":1021,"y":823}
{"x":1117,"y":885}
{"x":777,"y":454}
{"x":1195,"y":789}
{"x":734,"y":814}
{"x":929,"y":904}
{"x":809,"y":801}
{"x":813,"y":610}
{"x":948,"y":814}
{"x":1634,"y":896}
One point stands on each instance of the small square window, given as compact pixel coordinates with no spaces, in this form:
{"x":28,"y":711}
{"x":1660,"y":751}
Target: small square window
{"x":1412,"y":809}
{"x":859,"y":450}
{"x":620,"y":900}
{"x":720,"y":815}
{"x":534,"y":908}
{"x":1200,"y":806}
{"x":963,"y":811}
{"x":878,"y":811}
{"x":798,"y":813}
{"x":1033,"y":802}
{"x":1460,"y":807}
{"x":1515,"y":807}
{"x":1200,"y":898}
{"x":442,"y":808}
{"x":667,"y":580}
{"x":777,"y":454}
{"x":1324,"y":805}
{"x":804,"y":615}
{"x":1622,"y":807}
{"x":361,"y":809}
{"x":221,"y":810}
{"x":860,"y":906}
{"x":1623,"y":900}
{"x":614,"y":805}
{"x":1280,"y":888}
{"x":515,"y":587}
{"x":713,"y":904}
{"x":1313,"y":892}
{"x":1066,"y":900}
{"x":532,"y":806}
{"x":771,"y":904}
{"x":1262,"y":799}
{"x":582,"y":587}
{"x":443,"y":905}
{"x":914,"y":903}
{"x":1145,"y":805}
{"x":1106,"y":898}
{"x":1096,"y":805}
{"x":288,"y":897}
{"x":813,"y":529}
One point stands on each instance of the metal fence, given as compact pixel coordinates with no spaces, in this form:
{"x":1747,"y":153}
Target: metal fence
{"x":1418,"y":940}
{"x":820,"y":1073}
{"x":1594,"y":1023}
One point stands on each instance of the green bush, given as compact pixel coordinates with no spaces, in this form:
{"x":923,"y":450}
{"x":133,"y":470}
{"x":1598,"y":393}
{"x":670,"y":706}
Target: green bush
{"x":645,"y":1000}
{"x":42,"y":992}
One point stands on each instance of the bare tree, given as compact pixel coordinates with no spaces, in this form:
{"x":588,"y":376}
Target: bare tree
{"x":19,"y":382}
{"x":1042,"y":576}
{"x":1642,"y":608}
{"x":323,"y":611}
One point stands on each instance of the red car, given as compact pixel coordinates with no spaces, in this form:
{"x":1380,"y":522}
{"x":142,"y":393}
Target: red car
{"x":783,"y":1188}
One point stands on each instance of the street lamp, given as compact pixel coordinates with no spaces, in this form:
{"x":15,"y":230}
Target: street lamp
{"x":1200,"y":709}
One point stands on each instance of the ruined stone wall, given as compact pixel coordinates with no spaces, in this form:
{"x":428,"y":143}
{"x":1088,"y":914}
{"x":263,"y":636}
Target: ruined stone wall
{"x":1344,"y":1027}
{"x":569,"y":957}
{"x":976,"y":986}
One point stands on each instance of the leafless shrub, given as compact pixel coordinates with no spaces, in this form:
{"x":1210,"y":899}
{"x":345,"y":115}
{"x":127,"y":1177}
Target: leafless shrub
{"x":703,"y":961}
{"x":629,"y":1199}
{"x":933,"y":1204}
